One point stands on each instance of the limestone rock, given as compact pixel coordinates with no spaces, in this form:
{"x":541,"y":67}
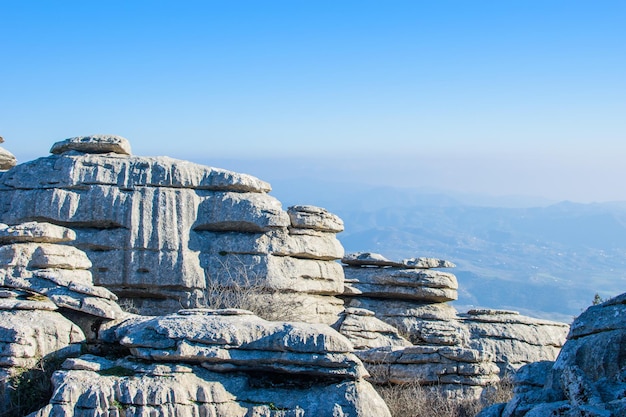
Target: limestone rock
{"x":587,"y":379}
{"x":514,"y":339}
{"x":455,"y":368}
{"x":412,"y":284}
{"x":158,"y":231}
{"x":378,"y":260}
{"x":35,"y":232}
{"x":7,"y":159}
{"x":237,"y":340}
{"x":185,"y":391}
{"x":28,"y":336}
{"x":93,"y":144}
{"x":316,"y":218}
{"x":367,"y":332}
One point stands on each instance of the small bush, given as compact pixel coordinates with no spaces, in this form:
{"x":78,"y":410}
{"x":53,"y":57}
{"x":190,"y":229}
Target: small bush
{"x":239,"y":286}
{"x":30,"y":389}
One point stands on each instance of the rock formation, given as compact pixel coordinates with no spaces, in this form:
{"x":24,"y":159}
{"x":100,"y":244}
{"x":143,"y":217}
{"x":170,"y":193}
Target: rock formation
{"x":198,"y":362}
{"x":587,"y":379}
{"x":161,"y":232}
{"x":461,"y":352}
{"x":92,"y":224}
{"x":224,"y":363}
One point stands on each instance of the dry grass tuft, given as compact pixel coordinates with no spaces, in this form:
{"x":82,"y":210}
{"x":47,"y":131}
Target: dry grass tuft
{"x":415,"y":400}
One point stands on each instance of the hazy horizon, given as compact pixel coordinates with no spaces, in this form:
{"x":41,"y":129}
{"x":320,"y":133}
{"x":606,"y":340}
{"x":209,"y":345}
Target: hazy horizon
{"x":498,"y":98}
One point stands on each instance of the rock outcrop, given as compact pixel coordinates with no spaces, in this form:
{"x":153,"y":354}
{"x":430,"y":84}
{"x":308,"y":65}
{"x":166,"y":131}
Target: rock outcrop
{"x":91,"y":225}
{"x":462,"y":353}
{"x":223,"y":363}
{"x":42,"y":282}
{"x":161,"y":232}
{"x":587,"y":379}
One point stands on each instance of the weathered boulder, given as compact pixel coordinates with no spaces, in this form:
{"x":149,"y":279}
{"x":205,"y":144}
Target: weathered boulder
{"x":367,"y":332}
{"x":376,"y":259}
{"x":222,"y":363}
{"x":29,"y":335}
{"x":410,"y":284}
{"x":315,"y":218}
{"x":93,"y":144}
{"x":513,"y":339}
{"x":588,"y":377}
{"x":39,"y":275}
{"x":460,"y":371}
{"x":138,"y":389}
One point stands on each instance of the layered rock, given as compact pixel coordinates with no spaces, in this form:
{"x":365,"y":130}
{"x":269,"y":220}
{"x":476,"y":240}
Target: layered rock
{"x":222,"y":363}
{"x":463,"y":352}
{"x":588,"y":377}
{"x":161,"y":232}
{"x":42,"y":282}
{"x":515,"y":340}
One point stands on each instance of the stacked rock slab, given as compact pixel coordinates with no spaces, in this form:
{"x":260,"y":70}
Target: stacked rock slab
{"x":222,"y":363}
{"x":41,"y":278}
{"x":515,"y":340}
{"x":588,"y":377}
{"x":462,"y":352}
{"x":162,"y":232}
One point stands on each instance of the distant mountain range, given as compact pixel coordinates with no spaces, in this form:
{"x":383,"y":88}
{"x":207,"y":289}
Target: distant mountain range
{"x":531,"y":255}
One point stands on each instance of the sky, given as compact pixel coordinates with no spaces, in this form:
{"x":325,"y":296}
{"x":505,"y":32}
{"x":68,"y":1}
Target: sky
{"x":515,"y":97}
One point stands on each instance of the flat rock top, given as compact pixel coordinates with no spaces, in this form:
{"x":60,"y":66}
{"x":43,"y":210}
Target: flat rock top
{"x":93,"y":144}
{"x":376,"y":259}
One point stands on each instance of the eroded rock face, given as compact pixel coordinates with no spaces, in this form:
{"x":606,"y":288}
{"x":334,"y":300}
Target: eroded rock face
{"x":588,"y":377}
{"x":464,"y":352}
{"x":160,"y":231}
{"x":514,"y":340}
{"x":221,"y":363}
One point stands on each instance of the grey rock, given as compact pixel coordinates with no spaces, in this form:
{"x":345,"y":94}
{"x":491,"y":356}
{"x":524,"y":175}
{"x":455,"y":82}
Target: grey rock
{"x":316,"y":218}
{"x":35,"y":232}
{"x":587,"y":378}
{"x":93,"y":144}
{"x":412,"y":284}
{"x":514,"y":339}
{"x":367,"y":332}
{"x":240,"y":342}
{"x":378,"y":260}
{"x":195,"y":391}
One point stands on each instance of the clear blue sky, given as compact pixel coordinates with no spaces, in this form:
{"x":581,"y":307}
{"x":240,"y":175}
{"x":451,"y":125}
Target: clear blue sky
{"x":501,"y":97}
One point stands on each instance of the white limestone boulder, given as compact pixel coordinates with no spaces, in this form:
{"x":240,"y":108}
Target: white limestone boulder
{"x":378,"y":260}
{"x":93,"y":144}
{"x":316,"y":218}
{"x":365,"y":331}
{"x":411,"y":284}
{"x":230,"y":340}
{"x":139,"y":389}
{"x":514,"y":339}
